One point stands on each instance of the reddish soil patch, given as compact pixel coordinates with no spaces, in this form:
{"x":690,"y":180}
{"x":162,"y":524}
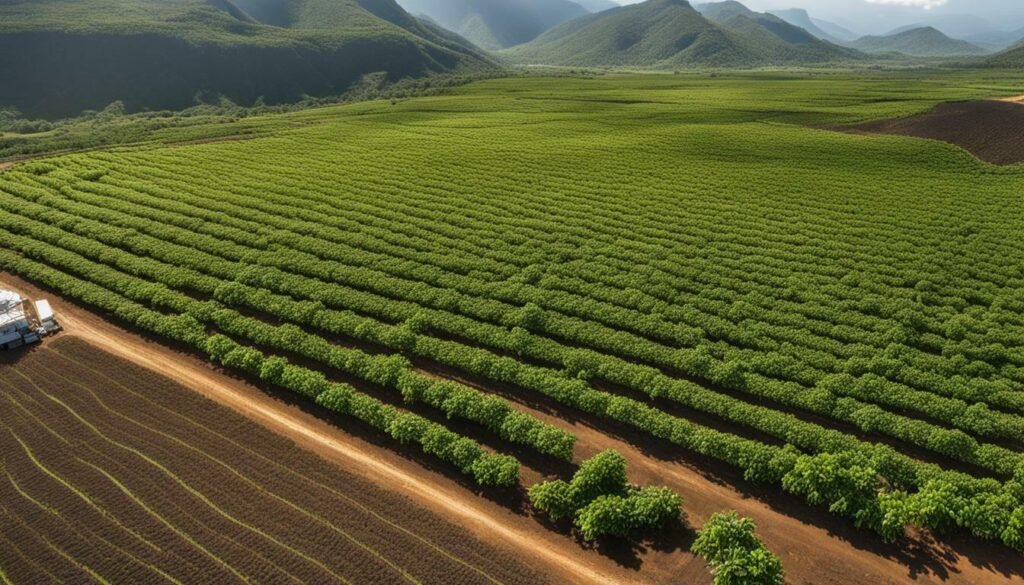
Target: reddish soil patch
{"x":816,"y":548}
{"x":990,"y":130}
{"x":112,"y":471}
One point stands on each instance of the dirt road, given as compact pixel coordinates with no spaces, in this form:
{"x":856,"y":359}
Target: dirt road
{"x":815,"y":548}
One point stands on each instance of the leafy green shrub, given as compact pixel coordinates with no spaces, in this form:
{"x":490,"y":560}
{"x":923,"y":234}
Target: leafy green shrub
{"x":601,"y":502}
{"x":737,"y":557}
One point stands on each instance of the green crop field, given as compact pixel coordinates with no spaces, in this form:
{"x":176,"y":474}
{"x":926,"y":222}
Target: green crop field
{"x":705,"y":259}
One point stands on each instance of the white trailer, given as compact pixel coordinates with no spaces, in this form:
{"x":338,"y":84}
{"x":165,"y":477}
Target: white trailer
{"x":18,"y":326}
{"x":44,"y":313}
{"x":14,"y":323}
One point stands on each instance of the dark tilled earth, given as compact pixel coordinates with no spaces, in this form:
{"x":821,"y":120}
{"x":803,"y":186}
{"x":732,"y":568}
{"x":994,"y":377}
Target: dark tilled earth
{"x":993,"y":131}
{"x":110,"y":473}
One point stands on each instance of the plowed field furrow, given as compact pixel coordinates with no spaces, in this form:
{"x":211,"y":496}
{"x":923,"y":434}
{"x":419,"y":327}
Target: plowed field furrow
{"x":105,"y":462}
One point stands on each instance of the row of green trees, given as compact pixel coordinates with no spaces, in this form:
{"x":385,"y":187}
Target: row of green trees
{"x":487,"y":469}
{"x":760,"y":462}
{"x":947,"y":443}
{"x":393,"y":372}
{"x":547,"y":294}
{"x":978,"y":420}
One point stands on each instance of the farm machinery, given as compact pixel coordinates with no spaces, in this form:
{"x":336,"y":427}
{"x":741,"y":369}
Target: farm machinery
{"x":23,"y":322}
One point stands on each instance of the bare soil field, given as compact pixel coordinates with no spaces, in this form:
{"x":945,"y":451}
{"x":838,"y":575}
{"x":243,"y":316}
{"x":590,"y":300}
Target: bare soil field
{"x":111,"y":472}
{"x":990,"y":130}
{"x":815,"y":547}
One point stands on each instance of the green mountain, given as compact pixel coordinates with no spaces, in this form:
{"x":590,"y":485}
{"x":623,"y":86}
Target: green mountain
{"x":1013,"y":58}
{"x":672,"y":34}
{"x":919,"y":42}
{"x":655,"y":33}
{"x":497,"y":24}
{"x":772,"y":37}
{"x":63,"y":56}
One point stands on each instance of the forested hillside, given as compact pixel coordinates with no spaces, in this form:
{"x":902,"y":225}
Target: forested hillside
{"x":1011,"y":58}
{"x":63,"y":56}
{"x":918,"y":42}
{"x":672,"y":33}
{"x":656,"y":33}
{"x":772,"y":38}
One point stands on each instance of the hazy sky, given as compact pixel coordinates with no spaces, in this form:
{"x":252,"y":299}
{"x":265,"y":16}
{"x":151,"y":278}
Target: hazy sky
{"x":882,"y":15}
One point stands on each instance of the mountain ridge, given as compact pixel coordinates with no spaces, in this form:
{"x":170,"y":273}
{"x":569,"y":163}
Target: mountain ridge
{"x":154,"y":54}
{"x":917,"y":42}
{"x":673,"y":33}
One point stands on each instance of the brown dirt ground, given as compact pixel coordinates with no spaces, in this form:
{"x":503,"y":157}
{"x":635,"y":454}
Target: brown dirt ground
{"x":109,"y":469}
{"x":991,"y":130}
{"x":816,"y":548}
{"x":5,"y":165}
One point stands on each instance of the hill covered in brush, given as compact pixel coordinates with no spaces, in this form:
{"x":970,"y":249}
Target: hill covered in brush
{"x":64,"y":56}
{"x":672,"y":33}
{"x":497,"y":24}
{"x":1013,"y":58}
{"x":771,"y":37}
{"x":918,"y":42}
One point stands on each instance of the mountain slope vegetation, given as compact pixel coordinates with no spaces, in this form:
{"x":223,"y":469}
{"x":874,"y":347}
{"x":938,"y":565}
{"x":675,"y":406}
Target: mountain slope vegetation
{"x":672,"y":33}
{"x":775,"y":39}
{"x":1011,"y":58}
{"x":656,"y":33}
{"x":65,"y":56}
{"x":919,"y":42}
{"x":497,"y":24}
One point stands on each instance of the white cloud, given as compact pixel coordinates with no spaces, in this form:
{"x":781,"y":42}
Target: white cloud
{"x":917,"y":3}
